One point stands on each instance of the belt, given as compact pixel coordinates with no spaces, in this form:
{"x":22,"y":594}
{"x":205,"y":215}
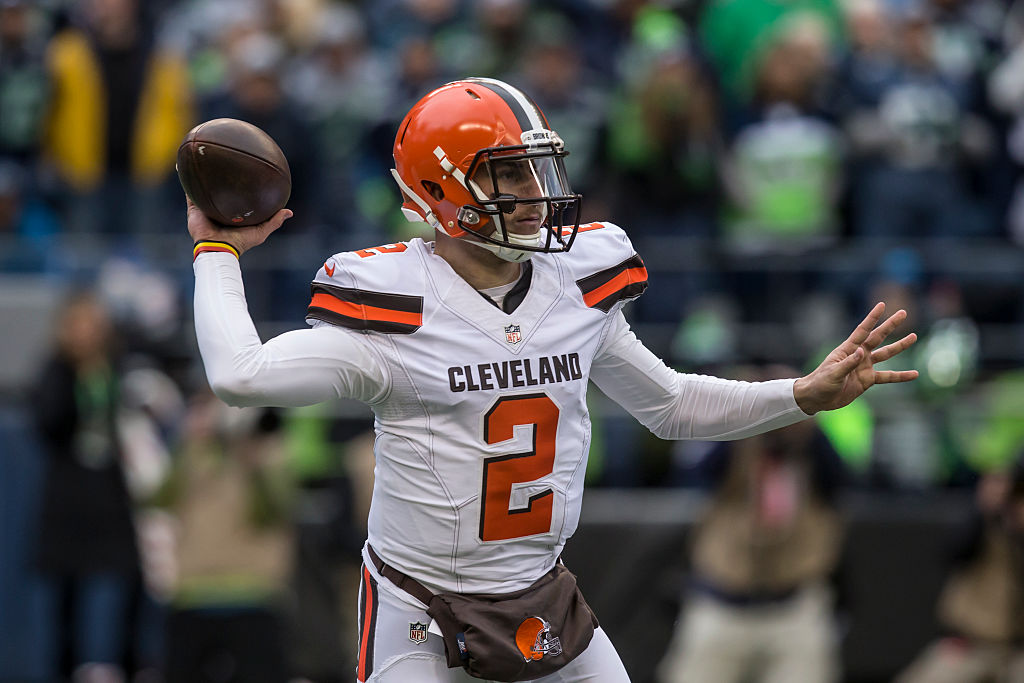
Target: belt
{"x":704,"y":587}
{"x":403,"y":581}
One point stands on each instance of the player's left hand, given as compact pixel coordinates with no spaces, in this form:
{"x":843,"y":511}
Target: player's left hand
{"x":849,"y":370}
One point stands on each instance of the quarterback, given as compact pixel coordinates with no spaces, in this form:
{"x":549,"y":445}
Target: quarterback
{"x":474,"y":351}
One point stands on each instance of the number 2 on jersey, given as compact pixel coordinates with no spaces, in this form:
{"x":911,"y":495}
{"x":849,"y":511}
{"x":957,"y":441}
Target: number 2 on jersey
{"x":501,"y":472}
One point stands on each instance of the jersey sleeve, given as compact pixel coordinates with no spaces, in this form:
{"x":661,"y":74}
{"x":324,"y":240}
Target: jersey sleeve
{"x":607,"y":270}
{"x":370,"y":290}
{"x":676,"y":405}
{"x":297,"y":368}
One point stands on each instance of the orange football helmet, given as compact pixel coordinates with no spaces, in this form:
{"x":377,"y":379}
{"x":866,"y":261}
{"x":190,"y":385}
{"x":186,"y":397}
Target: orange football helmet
{"x":474,"y":152}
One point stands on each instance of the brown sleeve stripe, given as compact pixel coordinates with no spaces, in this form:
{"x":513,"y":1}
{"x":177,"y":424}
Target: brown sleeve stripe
{"x":362,"y":310}
{"x":206,"y":245}
{"x":626,"y":280}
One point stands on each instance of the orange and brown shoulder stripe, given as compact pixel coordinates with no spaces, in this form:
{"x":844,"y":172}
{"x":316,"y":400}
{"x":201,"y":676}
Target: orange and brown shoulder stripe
{"x":625,"y":280}
{"x":360,"y":309}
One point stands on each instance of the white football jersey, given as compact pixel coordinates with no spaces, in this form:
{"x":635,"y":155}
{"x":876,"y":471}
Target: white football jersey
{"x":481,"y":418}
{"x":483,"y":433}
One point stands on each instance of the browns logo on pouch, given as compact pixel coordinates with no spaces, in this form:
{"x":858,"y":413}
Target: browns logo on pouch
{"x":534,"y":639}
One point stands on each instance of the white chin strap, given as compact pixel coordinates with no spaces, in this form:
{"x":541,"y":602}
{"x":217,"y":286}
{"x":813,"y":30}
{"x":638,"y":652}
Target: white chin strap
{"x":508,"y":253}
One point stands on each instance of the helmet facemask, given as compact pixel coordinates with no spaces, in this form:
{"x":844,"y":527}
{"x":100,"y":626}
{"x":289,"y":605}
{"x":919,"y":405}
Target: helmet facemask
{"x":515,"y":185}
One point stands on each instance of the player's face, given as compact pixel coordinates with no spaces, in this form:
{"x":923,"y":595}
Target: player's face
{"x":523,"y":179}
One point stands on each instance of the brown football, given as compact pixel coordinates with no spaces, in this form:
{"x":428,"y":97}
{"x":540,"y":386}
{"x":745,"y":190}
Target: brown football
{"x":234,"y":172}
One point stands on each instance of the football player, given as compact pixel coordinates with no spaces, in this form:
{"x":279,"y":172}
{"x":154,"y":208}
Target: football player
{"x":474,"y":351}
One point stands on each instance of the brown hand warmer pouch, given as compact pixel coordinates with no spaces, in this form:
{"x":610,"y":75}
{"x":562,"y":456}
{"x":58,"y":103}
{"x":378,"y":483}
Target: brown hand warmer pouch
{"x":510,"y":636}
{"x":516,"y":636}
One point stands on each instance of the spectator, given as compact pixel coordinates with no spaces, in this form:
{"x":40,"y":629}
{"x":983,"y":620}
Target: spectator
{"x":419,"y":69}
{"x":784,"y":159}
{"x":551,"y":67}
{"x":26,"y":221}
{"x":982,"y":602}
{"x":865,"y":67}
{"x":207,"y":33}
{"x":867,"y":64}
{"x":120,"y":108}
{"x":395,"y":22}
{"x":24,"y":83}
{"x":491,"y":36}
{"x":967,"y":37}
{"x":27,"y":225}
{"x":998,"y":436}
{"x":915,"y":446}
{"x":331,"y":458}
{"x":662,"y":144}
{"x":256,"y":94}
{"x":733,"y":32}
{"x":783,"y":170}
{"x":343,"y":88}
{"x":229,"y":491}
{"x":912,"y":181}
{"x":1005,"y":88}
{"x":663,"y":136}
{"x":759,"y":606}
{"x":87,"y":550}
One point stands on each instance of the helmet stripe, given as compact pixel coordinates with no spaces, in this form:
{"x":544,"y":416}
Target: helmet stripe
{"x":527,"y":113}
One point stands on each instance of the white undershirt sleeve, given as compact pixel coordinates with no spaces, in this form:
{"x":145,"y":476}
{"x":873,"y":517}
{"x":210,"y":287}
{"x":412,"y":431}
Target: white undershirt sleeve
{"x":675,"y":405}
{"x":297,"y":368}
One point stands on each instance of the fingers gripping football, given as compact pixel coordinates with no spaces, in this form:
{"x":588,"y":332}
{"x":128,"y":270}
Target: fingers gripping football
{"x":201,"y":228}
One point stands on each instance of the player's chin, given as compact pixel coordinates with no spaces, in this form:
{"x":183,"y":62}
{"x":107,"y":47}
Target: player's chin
{"x":525,"y":227}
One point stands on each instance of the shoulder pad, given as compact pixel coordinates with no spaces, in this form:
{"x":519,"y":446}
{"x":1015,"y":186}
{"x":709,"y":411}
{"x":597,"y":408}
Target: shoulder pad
{"x":605,"y":267}
{"x":376,"y":289}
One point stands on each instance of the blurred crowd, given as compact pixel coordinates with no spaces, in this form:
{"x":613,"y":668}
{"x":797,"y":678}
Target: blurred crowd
{"x":779,"y":166}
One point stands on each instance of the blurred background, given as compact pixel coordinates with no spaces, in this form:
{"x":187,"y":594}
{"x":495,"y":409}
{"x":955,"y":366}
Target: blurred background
{"x":780,"y":165}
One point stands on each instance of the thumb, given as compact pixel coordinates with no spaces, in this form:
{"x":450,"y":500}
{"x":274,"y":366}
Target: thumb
{"x":256,"y":235}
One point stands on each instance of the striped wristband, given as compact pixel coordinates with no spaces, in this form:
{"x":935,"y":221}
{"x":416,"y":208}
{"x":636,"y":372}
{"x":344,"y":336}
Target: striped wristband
{"x":209,"y":245}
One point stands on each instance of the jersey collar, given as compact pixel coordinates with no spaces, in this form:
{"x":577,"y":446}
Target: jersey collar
{"x":536,"y":293}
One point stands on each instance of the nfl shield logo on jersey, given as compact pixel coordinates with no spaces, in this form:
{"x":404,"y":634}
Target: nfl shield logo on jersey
{"x":513,"y":335}
{"x":417,"y":632}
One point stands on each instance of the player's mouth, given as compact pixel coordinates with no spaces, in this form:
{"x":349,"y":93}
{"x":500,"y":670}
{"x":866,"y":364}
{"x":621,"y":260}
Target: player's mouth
{"x":527,"y":225}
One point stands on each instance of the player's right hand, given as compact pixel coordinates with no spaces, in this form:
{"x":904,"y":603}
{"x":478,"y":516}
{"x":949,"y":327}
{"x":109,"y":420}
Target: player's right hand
{"x":242,"y":239}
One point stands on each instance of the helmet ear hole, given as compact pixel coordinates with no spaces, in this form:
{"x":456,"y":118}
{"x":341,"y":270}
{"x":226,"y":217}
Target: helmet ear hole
{"x":433,"y":189}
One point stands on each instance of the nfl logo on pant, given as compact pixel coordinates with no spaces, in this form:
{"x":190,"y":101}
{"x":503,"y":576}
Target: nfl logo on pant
{"x":417,"y":632}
